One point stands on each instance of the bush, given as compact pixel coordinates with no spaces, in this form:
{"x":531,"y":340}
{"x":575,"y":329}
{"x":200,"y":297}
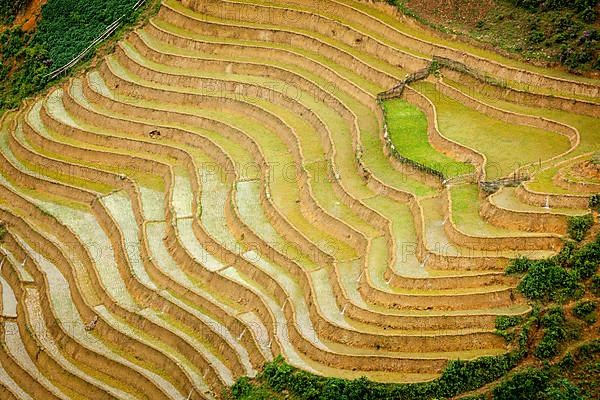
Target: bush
{"x":10,"y":8}
{"x":504,"y":322}
{"x":579,"y":225}
{"x":588,"y":15}
{"x":585,"y":311}
{"x":244,"y":389}
{"x":68,"y":26}
{"x":585,"y":260}
{"x":546,"y":280}
{"x":458,"y":377}
{"x":562,"y":389}
{"x":595,"y":202}
{"x":554,"y":323}
{"x":523,"y":385}
{"x":519,"y":265}
{"x":595,"y":285}
{"x":536,"y":36}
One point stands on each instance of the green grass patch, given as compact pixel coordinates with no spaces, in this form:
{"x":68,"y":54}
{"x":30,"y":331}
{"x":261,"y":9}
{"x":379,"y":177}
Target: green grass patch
{"x":407,"y":127}
{"x":506,"y":146}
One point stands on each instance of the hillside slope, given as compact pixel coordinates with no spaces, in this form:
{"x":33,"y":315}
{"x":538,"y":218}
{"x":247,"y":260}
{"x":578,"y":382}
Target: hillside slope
{"x":540,"y":31}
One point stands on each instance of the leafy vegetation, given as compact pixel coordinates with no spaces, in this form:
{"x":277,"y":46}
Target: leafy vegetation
{"x":505,"y":325}
{"x":66,"y":34}
{"x":536,"y":384}
{"x":548,"y":280}
{"x":595,"y":202}
{"x":579,"y":225}
{"x":595,"y":285}
{"x":66,"y":28}
{"x":574,"y":377}
{"x":586,"y":310}
{"x":10,"y":8}
{"x":458,"y":377}
{"x":504,"y":322}
{"x":556,"y":331}
{"x":558,"y":278}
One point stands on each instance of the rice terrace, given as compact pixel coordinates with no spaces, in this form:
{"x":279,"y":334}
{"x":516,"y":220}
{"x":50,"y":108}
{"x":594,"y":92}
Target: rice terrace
{"x":287,"y":199}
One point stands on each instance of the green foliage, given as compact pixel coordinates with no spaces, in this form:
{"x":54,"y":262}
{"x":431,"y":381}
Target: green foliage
{"x":585,"y":310}
{"x":549,"y":31}
{"x":243,"y":389}
{"x":458,"y":377}
{"x":563,"y":389}
{"x":536,"y":384}
{"x":558,"y":278}
{"x":555,"y":333}
{"x":66,"y":28}
{"x":595,"y":202}
{"x":579,"y":225}
{"x":523,"y":385}
{"x":3,"y":231}
{"x":519,"y":265}
{"x":474,"y":397}
{"x":547,"y":280}
{"x":595,"y":285}
{"x":10,"y":8}
{"x":584,"y":261}
{"x":504,"y":322}
{"x":504,"y":325}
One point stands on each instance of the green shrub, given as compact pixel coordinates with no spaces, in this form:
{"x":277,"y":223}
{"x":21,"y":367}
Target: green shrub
{"x":562,"y":389}
{"x":558,"y":278}
{"x":594,"y":203}
{"x":546,"y":280}
{"x":579,"y":225}
{"x":458,"y":377}
{"x":536,"y":36}
{"x":585,"y":260}
{"x":523,"y":385}
{"x":568,"y":362}
{"x":66,"y":28}
{"x":504,"y":322}
{"x":585,"y":310}
{"x":519,"y":265}
{"x":3,"y":231}
{"x":244,"y":389}
{"x":595,"y":285}
{"x":10,"y":8}
{"x":554,"y":324}
{"x":474,"y":397}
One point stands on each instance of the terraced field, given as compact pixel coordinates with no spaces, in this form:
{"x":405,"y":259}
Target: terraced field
{"x":225,"y":187}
